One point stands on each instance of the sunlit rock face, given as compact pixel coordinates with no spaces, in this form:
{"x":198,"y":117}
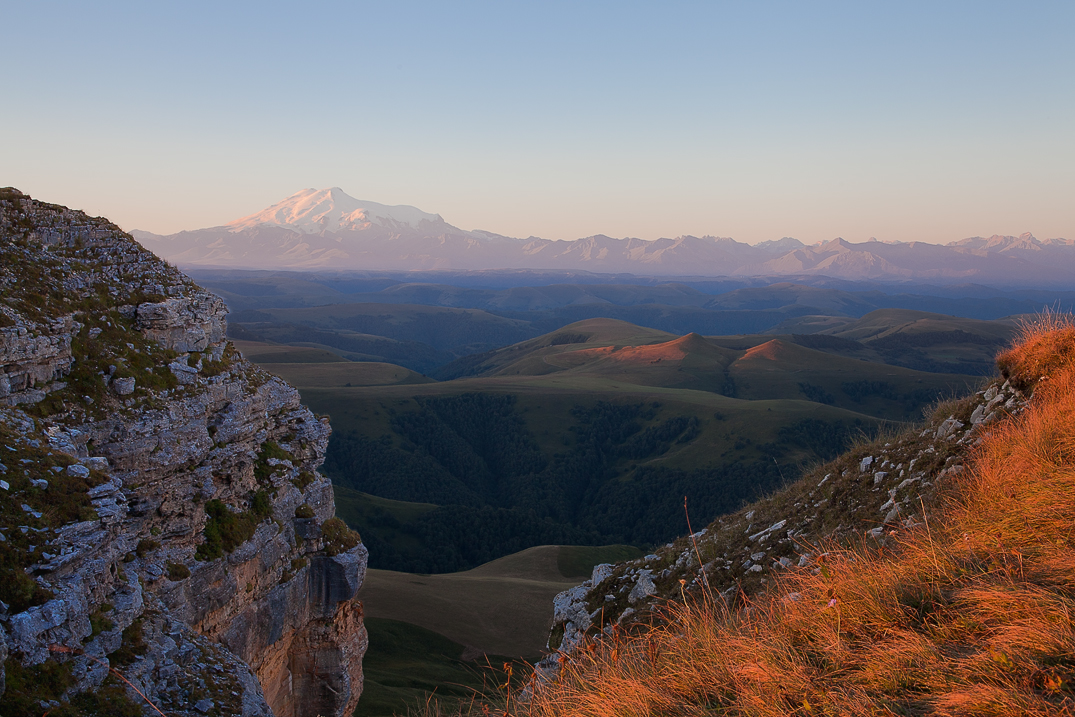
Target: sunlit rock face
{"x":160,"y":505}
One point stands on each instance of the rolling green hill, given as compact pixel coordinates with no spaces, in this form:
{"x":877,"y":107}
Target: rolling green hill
{"x":590,"y":434}
{"x":779,"y":368}
{"x":305,"y":366}
{"x":518,"y":461}
{"x":450,"y":632}
{"x":918,"y":340}
{"x":500,"y":607}
{"x":345,"y":344}
{"x":416,"y":336}
{"x":533,"y":357}
{"x":885,"y":322}
{"x":752,"y":367}
{"x":438,"y":329}
{"x":930,"y":342}
{"x":267,"y":353}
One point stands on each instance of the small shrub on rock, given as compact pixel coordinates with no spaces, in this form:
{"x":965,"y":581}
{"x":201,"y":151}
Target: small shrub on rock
{"x":338,"y":537}
{"x":226,"y":530}
{"x":178,"y":571}
{"x":133,"y":645}
{"x":146,"y":546}
{"x":304,"y":479}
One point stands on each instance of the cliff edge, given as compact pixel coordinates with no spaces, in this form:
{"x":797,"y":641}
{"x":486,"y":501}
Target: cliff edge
{"x":163,"y":526}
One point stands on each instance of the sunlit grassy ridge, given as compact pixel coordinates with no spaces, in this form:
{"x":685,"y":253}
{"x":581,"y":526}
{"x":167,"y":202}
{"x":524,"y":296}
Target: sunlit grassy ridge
{"x":971,"y":613}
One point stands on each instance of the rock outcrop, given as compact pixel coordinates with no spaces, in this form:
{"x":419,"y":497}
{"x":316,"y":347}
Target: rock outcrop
{"x":161,"y":513}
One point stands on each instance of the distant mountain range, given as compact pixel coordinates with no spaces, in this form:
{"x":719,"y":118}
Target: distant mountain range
{"x":328,"y":229}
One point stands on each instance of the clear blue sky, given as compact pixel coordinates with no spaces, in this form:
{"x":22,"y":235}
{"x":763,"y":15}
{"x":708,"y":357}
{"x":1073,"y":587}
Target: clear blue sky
{"x":930,"y":121}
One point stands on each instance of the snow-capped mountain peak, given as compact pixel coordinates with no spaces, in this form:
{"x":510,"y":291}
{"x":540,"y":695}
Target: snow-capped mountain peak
{"x":313,"y":211}
{"x":327,"y":229}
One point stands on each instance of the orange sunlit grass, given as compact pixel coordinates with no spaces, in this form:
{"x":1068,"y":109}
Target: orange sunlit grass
{"x":972,"y":614}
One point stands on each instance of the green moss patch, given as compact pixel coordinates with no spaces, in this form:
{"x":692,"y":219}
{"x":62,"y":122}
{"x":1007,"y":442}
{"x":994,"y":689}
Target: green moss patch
{"x":27,"y":687}
{"x":99,"y":623}
{"x":212,"y":368}
{"x":226,"y":529}
{"x":304,"y":479}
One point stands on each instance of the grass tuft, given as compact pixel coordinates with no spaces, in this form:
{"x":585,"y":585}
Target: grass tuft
{"x":1046,"y":345}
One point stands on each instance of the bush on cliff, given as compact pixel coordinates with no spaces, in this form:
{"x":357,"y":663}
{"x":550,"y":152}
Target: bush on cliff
{"x":338,"y":537}
{"x":226,"y":529}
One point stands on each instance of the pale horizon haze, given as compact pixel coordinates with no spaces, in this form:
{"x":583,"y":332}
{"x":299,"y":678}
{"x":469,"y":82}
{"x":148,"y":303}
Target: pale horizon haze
{"x":900,"y":121}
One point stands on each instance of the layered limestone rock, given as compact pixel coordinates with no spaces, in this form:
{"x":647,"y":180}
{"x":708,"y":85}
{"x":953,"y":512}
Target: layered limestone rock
{"x":160,"y":509}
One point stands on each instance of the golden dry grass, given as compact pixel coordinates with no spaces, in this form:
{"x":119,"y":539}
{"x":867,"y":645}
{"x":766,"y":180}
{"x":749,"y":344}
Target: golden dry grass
{"x":1044,"y":345}
{"x":973,"y":614}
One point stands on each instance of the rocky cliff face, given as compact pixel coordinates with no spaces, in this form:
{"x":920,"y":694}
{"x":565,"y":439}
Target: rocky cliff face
{"x":161,"y":515}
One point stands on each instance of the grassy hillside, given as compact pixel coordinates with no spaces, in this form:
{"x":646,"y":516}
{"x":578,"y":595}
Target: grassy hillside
{"x":886,"y":322}
{"x":531,"y":357}
{"x":929,"y":342}
{"x":452,"y":633}
{"x":918,"y":340}
{"x":500,"y":608}
{"x":426,"y":326}
{"x":267,"y":353}
{"x":346,"y":374}
{"x":518,"y":461}
{"x":830,"y":370}
{"x":965,"y":609}
{"x":545,"y":404}
{"x":396,"y":317}
{"x":346,"y":344}
{"x":308,"y":366}
{"x":781,"y":368}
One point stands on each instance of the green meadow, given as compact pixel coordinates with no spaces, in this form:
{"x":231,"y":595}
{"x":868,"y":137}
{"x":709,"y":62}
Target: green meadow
{"x":451,"y":634}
